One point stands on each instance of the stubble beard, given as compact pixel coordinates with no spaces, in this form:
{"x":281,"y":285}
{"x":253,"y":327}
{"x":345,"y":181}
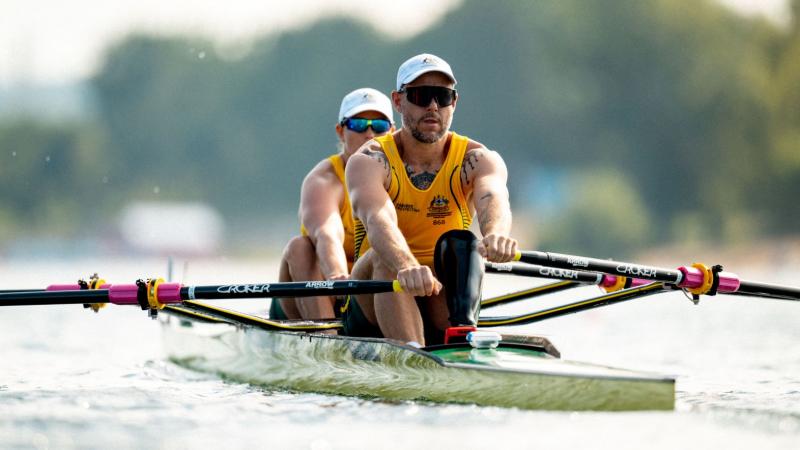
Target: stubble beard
{"x":425,"y":138}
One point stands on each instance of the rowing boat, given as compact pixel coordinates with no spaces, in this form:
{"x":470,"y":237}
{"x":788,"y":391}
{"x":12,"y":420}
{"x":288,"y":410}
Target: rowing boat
{"x":506,"y":370}
{"x":522,"y":371}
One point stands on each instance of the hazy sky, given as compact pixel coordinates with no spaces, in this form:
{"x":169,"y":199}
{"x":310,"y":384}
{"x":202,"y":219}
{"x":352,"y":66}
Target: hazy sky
{"x":55,"y":41}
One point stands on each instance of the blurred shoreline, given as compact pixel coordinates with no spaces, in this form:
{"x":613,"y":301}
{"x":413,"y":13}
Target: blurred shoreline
{"x":767,"y":259}
{"x":777,"y":257}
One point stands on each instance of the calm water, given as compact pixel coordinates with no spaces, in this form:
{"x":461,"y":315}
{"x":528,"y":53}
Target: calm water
{"x":70,"y":378}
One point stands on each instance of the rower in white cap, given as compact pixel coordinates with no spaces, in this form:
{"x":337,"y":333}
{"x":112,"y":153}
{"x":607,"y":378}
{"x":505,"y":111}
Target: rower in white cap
{"x":324,"y":250}
{"x":408,"y":189}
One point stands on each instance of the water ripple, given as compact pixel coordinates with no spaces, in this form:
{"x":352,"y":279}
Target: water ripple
{"x":76,"y":380}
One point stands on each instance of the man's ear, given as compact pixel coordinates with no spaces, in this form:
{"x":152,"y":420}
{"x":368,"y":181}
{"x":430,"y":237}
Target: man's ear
{"x":340,"y":132}
{"x":396,"y":99}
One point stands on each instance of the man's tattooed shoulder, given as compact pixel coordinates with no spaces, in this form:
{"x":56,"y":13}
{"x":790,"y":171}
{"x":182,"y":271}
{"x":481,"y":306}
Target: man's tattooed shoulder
{"x":469,"y":165}
{"x":376,"y":154}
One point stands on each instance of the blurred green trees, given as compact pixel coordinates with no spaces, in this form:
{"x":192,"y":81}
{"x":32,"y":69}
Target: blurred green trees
{"x":675,"y":118}
{"x":48,"y":175}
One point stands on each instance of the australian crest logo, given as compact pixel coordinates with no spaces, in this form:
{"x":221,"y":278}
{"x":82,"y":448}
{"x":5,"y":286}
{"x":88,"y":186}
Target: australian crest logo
{"x":439,"y":208}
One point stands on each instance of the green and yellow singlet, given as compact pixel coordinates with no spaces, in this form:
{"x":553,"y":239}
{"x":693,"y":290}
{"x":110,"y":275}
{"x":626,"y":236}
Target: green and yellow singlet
{"x":423,"y":215}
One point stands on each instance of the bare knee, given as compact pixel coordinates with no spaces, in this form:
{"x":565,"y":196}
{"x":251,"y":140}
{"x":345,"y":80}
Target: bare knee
{"x":298,"y":247}
{"x":381,"y":271}
{"x":300,"y":258}
{"x":362,"y":269}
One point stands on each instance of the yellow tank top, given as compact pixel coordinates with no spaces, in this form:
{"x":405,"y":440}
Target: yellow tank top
{"x":345,"y":212}
{"x":423,"y":215}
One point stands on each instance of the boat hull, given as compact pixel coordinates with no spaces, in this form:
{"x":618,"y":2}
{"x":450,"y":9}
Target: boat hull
{"x":513,"y":375}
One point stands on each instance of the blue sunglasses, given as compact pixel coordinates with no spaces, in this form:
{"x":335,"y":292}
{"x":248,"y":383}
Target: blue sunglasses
{"x":360,"y":125}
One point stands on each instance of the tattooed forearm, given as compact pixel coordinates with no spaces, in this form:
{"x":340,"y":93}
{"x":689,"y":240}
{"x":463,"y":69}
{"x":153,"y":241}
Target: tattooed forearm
{"x":494,"y":213}
{"x":486,"y":210}
{"x":470,"y":163}
{"x":485,"y":218}
{"x":421,"y":180}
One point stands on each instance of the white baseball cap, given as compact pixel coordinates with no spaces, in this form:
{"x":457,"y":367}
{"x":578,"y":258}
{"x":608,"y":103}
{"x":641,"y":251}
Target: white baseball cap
{"x":365,"y":99}
{"x":420,"y":64}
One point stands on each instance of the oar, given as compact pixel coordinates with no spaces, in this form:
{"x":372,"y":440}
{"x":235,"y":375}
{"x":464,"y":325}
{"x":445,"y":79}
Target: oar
{"x":76,"y":294}
{"x":485,"y":303}
{"x":571,"y":279}
{"x":608,"y":282}
{"x":155,"y":293}
{"x":697,"y":279}
{"x":195,"y":309}
{"x":619,"y":289}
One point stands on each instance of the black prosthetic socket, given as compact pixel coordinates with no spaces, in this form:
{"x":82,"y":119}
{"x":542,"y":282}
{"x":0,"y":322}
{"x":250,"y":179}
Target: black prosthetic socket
{"x":459,"y":267}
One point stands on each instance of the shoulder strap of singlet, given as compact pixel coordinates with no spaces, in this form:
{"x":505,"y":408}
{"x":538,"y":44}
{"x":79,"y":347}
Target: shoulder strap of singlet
{"x":389,"y":147}
{"x":338,"y":166}
{"x":454,"y":163}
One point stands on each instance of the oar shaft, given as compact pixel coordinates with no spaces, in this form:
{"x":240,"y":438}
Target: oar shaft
{"x":292,"y":289}
{"x":683,"y":277}
{"x":169,"y":293}
{"x":533,"y":270}
{"x":696,"y":278}
{"x":623,"y":269}
{"x":32,"y":298}
{"x":606,"y":281}
{"x":768,"y":290}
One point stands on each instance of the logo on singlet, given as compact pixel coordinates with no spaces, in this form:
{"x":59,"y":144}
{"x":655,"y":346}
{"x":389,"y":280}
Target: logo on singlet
{"x":407,"y":207}
{"x":439,"y":209}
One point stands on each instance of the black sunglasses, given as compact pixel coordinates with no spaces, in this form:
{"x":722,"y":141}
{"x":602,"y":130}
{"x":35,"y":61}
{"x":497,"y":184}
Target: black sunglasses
{"x":422,"y":95}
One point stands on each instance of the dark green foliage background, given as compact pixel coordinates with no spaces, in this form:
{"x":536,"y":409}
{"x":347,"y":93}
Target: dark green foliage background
{"x":666,"y":119}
